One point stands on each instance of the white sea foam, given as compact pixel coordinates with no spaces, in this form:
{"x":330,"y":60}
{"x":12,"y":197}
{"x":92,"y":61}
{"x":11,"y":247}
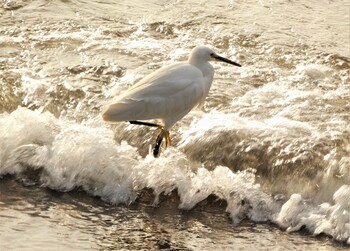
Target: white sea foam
{"x":70,"y":155}
{"x":329,"y":218}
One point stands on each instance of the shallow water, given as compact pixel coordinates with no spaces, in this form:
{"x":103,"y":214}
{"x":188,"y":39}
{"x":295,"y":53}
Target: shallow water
{"x":74,"y":221}
{"x":271,"y":143}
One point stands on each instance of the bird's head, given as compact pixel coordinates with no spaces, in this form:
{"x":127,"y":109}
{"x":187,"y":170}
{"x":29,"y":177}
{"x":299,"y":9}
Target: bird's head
{"x":203,"y":54}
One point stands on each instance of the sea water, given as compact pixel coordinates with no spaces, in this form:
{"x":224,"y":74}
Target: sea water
{"x":267,"y":155}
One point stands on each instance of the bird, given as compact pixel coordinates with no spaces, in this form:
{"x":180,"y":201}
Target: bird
{"x":167,"y":94}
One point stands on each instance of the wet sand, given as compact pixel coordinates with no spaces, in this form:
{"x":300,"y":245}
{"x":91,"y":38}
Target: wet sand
{"x":76,"y":221}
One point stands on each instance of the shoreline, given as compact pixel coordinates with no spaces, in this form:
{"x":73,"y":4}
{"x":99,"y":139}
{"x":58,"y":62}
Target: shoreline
{"x":141,"y":226}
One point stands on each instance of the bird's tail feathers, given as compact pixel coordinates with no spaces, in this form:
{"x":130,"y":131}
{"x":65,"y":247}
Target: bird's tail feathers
{"x":120,"y":111}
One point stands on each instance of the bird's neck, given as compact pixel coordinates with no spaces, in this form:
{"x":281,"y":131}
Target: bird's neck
{"x":208,"y":74}
{"x":206,"y":68}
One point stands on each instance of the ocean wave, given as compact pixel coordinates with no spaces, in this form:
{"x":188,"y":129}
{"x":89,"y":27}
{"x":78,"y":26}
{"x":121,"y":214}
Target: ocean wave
{"x":63,"y":155}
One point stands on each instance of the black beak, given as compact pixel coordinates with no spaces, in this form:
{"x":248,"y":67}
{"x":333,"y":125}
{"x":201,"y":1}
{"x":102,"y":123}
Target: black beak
{"x":226,"y":60}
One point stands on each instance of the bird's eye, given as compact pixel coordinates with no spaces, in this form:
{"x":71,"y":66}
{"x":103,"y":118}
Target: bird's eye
{"x":211,"y":54}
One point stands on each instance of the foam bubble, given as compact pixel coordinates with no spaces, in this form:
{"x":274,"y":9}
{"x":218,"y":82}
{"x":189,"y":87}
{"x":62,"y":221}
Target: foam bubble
{"x":333,"y":220}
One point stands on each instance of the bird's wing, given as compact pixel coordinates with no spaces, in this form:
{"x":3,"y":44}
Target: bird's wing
{"x":160,"y":93}
{"x":163,"y":82}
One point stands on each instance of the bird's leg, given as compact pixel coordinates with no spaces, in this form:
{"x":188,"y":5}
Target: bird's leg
{"x":159,"y":138}
{"x":167,"y":139}
{"x":144,"y":123}
{"x":158,"y":143}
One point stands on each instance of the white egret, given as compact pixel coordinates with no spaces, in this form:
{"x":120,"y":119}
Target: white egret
{"x":167,"y":94}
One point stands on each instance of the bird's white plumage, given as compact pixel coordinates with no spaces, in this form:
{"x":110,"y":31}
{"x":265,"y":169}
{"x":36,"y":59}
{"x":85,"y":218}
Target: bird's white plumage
{"x":167,"y":94}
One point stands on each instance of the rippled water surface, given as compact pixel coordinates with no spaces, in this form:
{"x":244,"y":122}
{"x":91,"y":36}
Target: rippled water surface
{"x":265,"y":163}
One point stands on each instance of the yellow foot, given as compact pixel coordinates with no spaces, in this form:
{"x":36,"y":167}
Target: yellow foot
{"x":167,"y":139}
